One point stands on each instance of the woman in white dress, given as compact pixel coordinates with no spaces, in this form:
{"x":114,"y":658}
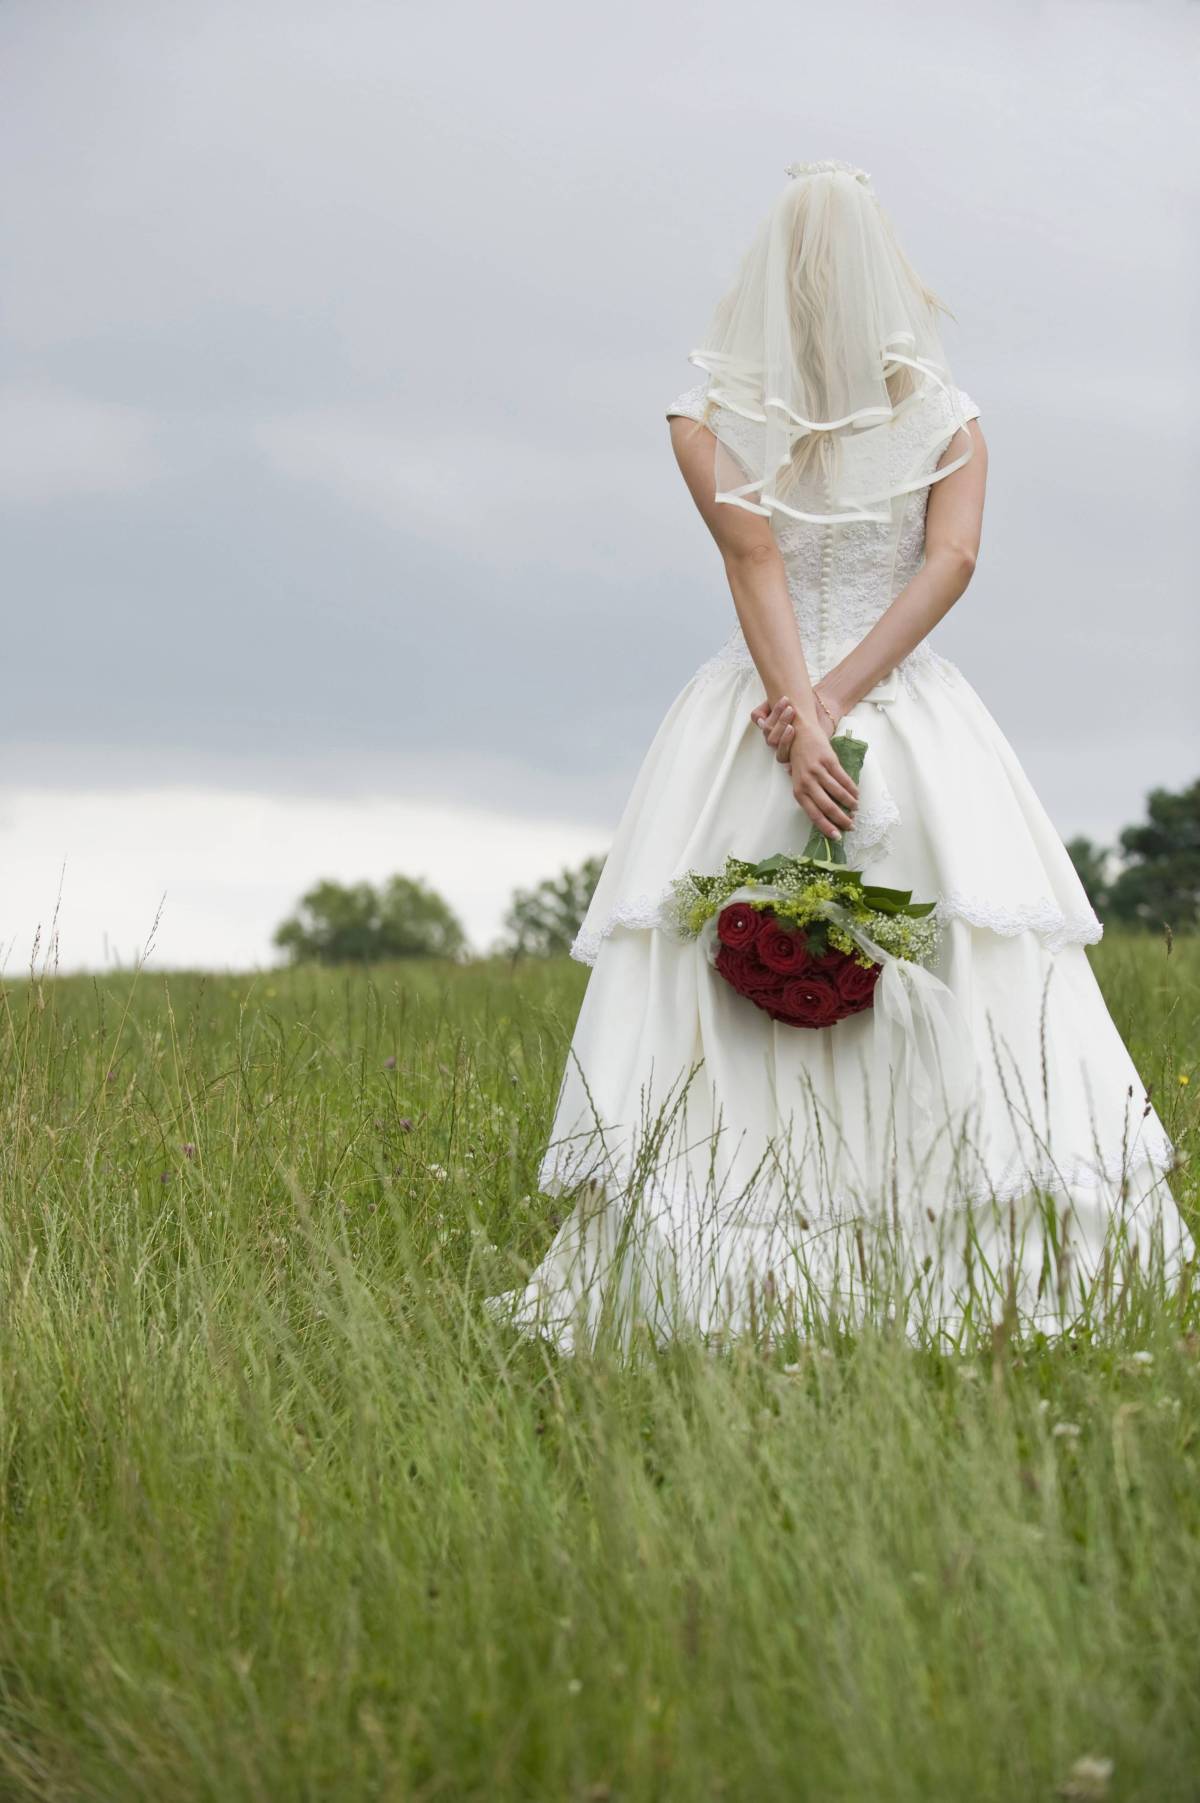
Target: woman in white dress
{"x":728,"y":1172}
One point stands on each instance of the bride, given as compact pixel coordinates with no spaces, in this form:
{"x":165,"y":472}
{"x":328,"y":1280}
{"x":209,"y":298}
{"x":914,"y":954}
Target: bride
{"x":731,"y":1173}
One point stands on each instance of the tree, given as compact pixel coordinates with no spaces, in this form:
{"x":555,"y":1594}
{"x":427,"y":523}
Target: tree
{"x":545,"y":920}
{"x":1091,"y":867}
{"x":336,"y":924}
{"x":1160,"y":883}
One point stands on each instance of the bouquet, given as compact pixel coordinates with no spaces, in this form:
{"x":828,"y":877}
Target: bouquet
{"x":805,"y":938}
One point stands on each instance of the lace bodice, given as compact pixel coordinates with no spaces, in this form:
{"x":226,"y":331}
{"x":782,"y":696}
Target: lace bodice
{"x":842,"y":577}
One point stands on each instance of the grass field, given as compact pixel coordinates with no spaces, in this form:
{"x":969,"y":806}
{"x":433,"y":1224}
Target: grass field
{"x":285,"y":1516}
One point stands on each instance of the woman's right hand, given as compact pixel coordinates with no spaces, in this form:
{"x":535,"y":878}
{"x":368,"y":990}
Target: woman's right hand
{"x":823,"y":789}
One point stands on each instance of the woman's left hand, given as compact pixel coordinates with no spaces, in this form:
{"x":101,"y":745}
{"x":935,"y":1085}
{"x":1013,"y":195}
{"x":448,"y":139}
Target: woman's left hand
{"x":778,"y":724}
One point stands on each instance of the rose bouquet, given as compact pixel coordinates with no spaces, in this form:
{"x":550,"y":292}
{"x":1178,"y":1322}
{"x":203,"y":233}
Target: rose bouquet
{"x":804,"y":937}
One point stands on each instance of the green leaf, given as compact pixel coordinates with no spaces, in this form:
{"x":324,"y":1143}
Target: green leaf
{"x":851,"y":753}
{"x":897,"y":901}
{"x":890,"y":900}
{"x":829,"y":853}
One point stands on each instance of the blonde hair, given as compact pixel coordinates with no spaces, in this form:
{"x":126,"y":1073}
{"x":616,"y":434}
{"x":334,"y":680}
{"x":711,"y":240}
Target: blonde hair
{"x":813,"y":301}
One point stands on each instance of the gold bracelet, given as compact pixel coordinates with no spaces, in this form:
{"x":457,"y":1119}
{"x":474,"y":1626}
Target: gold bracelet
{"x":825,"y":710}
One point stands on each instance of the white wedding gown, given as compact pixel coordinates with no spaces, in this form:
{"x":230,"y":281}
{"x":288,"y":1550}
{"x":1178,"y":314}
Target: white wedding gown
{"x":721,"y":1167}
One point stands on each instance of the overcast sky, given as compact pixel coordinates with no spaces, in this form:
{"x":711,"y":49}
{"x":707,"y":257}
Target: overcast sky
{"x":341,"y":530}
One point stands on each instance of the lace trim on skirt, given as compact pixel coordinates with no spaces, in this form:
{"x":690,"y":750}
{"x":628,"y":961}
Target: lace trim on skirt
{"x":1055,"y":928}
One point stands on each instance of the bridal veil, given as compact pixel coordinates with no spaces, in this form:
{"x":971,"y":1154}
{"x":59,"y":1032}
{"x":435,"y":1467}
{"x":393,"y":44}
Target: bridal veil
{"x":826,"y":337}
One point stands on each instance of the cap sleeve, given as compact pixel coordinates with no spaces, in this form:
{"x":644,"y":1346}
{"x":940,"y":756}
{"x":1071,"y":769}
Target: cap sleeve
{"x":969,"y":408}
{"x":690,"y":403}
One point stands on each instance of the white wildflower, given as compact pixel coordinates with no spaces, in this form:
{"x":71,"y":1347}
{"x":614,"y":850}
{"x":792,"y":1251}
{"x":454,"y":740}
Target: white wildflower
{"x":1087,"y":1781}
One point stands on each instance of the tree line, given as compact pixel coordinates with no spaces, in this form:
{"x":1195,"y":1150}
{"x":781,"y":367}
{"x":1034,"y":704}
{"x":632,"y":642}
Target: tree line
{"x":1150,"y":879}
{"x":356,"y":923}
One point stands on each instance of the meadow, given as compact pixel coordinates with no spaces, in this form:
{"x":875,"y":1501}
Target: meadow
{"x":284,"y":1514}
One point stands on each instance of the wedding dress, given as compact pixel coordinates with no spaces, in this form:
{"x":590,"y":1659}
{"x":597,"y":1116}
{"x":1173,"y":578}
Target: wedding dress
{"x":721,"y":1165}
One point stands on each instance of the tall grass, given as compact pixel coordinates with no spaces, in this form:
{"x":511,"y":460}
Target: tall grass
{"x":286,"y":1515}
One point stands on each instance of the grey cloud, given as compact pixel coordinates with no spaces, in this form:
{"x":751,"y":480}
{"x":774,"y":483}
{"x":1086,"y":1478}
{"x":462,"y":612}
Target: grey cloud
{"x":388,"y":306}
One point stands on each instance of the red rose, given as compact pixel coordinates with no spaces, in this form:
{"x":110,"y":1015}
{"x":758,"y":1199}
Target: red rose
{"x":734,"y":965}
{"x":856,"y":985}
{"x":829,"y":963}
{"x":742,"y":971}
{"x":737,"y":924}
{"x":751,"y":974}
{"x":810,"y":1001}
{"x":760,"y":980}
{"x":782,"y":949}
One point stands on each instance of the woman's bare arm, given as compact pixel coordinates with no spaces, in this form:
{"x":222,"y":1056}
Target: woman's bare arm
{"x":753,"y":565}
{"x":953,"y":524}
{"x":758,"y":583}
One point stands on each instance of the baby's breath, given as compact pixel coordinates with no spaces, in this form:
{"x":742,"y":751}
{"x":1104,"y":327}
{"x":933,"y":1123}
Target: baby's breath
{"x":801,"y":894}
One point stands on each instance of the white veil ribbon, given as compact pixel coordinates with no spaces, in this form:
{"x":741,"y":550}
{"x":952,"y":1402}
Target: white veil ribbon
{"x":826,"y":338}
